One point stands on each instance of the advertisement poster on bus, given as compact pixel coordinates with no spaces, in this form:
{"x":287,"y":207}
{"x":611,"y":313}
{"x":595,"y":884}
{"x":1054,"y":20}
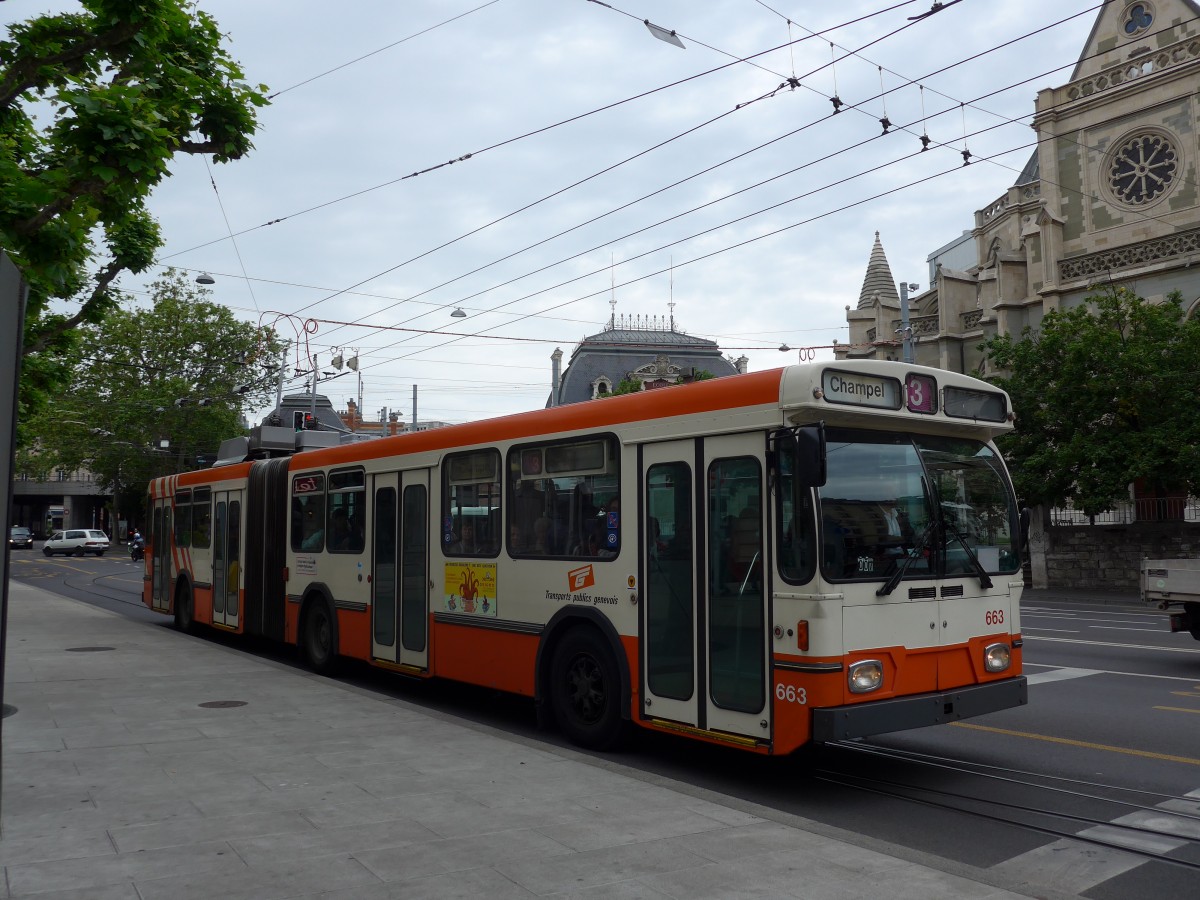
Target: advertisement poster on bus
{"x":470,"y":588}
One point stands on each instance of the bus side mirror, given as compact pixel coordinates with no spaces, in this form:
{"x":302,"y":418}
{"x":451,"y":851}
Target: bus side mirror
{"x":810,"y":455}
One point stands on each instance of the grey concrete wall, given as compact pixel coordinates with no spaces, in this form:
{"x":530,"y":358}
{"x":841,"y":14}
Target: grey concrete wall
{"x":1109,"y":557}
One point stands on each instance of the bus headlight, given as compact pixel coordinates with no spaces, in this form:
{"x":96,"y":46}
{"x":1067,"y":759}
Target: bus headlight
{"x":866,"y":676}
{"x":996,"y":657}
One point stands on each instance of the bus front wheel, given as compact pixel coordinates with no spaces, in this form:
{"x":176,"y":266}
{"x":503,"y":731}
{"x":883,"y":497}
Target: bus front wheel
{"x":584,"y":690}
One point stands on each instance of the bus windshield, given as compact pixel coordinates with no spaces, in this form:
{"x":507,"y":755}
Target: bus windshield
{"x":921,"y":505}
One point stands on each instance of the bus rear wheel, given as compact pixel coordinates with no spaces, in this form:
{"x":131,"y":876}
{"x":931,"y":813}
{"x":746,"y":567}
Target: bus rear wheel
{"x":185,"y":615}
{"x":584,"y":690}
{"x":319,"y":638}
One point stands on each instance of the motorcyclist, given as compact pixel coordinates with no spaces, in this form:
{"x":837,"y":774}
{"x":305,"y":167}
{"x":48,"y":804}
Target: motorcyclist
{"x":137,"y":546}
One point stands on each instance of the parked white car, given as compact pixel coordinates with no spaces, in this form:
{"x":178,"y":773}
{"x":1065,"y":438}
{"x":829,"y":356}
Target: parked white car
{"x":77,"y":541}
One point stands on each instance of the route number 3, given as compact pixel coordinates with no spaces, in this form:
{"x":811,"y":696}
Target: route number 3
{"x":790,"y":694}
{"x":920,"y":392}
{"x":994,"y":617}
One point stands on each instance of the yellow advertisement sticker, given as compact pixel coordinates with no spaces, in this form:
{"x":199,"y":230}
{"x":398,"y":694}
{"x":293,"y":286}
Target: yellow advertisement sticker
{"x":470,"y":588}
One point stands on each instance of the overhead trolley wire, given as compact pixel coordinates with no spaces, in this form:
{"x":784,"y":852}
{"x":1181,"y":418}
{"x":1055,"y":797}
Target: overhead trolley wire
{"x":541,"y":130}
{"x":657,"y":146}
{"x":627,"y":235}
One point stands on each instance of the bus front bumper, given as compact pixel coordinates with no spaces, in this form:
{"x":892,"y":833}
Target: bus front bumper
{"x":839,"y":723}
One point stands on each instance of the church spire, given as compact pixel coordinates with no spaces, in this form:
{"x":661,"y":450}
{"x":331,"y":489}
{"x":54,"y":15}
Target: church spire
{"x":879,"y":281}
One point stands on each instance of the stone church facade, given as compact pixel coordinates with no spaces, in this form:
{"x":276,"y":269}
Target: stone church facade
{"x":1110,"y":196}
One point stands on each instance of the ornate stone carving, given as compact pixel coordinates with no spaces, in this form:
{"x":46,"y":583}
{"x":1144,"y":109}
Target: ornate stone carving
{"x":1168,"y":57}
{"x":1132,"y":255}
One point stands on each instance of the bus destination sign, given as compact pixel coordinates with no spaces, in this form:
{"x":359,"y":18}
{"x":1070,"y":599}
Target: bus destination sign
{"x":860,"y":390}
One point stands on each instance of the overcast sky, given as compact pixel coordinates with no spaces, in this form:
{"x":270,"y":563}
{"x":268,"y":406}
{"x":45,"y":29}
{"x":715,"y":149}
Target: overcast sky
{"x":599,"y":155}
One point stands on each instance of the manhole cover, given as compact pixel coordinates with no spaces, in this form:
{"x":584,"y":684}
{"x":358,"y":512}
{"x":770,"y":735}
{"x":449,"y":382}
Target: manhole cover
{"x":89,"y":649}
{"x":7,"y":711}
{"x":222,"y":704}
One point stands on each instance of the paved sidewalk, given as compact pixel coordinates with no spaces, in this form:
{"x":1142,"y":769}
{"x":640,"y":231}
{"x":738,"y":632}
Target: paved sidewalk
{"x":122,"y":782}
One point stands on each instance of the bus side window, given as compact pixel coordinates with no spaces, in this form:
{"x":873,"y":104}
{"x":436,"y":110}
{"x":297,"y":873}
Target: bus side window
{"x":308,"y":512}
{"x":183,"y":519}
{"x":347,"y":511}
{"x":564,"y":499}
{"x":202,"y":518}
{"x":471,"y":514}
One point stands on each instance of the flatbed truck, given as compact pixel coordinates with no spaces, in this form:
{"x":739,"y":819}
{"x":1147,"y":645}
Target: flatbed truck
{"x":1174,"y":583}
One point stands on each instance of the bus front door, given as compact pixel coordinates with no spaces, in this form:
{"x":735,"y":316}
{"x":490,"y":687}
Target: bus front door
{"x":703,"y":621}
{"x":400,"y":569}
{"x":160,"y":555}
{"x":227,"y":557}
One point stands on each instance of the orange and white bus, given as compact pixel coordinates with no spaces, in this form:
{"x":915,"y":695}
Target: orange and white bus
{"x":811,"y":553}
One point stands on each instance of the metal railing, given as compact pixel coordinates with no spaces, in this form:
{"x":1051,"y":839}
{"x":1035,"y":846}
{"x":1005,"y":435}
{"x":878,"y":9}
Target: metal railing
{"x":1152,"y":509}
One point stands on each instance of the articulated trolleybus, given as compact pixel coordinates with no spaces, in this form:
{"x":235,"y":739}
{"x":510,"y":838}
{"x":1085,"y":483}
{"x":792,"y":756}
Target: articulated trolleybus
{"x":812,"y":553}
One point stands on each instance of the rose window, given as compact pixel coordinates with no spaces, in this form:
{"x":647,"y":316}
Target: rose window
{"x":1137,"y":19}
{"x":1143,"y":168}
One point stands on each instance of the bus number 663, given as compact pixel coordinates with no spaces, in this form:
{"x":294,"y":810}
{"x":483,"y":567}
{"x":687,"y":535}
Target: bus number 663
{"x":791,"y":694}
{"x":994,"y":617}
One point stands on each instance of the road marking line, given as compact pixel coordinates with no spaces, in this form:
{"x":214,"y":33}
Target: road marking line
{"x":1186,"y":693}
{"x":1063,"y":630}
{"x":1165,"y":824}
{"x":1115,"y":628}
{"x":1087,"y":745}
{"x":1178,"y":709}
{"x":1123,"y":646}
{"x":1068,"y":865}
{"x":1059,"y":675}
{"x":1148,"y":843}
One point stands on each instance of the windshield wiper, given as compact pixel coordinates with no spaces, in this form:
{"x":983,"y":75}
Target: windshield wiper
{"x":984,"y":580}
{"x":890,"y":584}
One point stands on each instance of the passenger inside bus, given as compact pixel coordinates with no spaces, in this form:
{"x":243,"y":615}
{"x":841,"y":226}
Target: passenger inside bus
{"x":466,"y":544}
{"x":341,"y":538}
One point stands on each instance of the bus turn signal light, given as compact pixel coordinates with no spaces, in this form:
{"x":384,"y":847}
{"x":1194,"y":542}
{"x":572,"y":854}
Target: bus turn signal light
{"x":802,"y":634}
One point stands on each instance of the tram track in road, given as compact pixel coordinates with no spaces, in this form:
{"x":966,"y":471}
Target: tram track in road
{"x":1147,"y":824}
{"x":93,"y":585}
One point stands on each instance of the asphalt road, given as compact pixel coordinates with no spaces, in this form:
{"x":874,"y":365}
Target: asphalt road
{"x":1111,"y":734}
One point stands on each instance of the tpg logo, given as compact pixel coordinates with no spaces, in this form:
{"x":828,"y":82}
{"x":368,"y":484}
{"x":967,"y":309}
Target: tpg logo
{"x":580,"y":578}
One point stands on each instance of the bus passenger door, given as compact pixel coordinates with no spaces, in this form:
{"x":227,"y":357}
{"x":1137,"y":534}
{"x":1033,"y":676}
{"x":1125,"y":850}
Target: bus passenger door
{"x":160,"y":555}
{"x":227,"y":557}
{"x":400,"y":569}
{"x":670,"y":610}
{"x":414,"y":568}
{"x":384,"y":547}
{"x":736,"y":588}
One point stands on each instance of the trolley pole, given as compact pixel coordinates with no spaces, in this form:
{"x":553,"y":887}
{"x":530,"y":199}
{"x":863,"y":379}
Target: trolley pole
{"x":283,"y":355}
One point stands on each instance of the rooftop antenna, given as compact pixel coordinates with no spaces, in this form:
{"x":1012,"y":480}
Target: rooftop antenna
{"x":671,"y":293}
{"x":612,"y":302}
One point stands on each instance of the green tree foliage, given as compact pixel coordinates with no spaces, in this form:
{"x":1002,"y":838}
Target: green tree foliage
{"x":1105,"y":395}
{"x":634,"y":386}
{"x":183,"y":371}
{"x":93,"y":107}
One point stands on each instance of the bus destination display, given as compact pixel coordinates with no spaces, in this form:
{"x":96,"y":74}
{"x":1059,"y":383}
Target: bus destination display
{"x":860,"y":390}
